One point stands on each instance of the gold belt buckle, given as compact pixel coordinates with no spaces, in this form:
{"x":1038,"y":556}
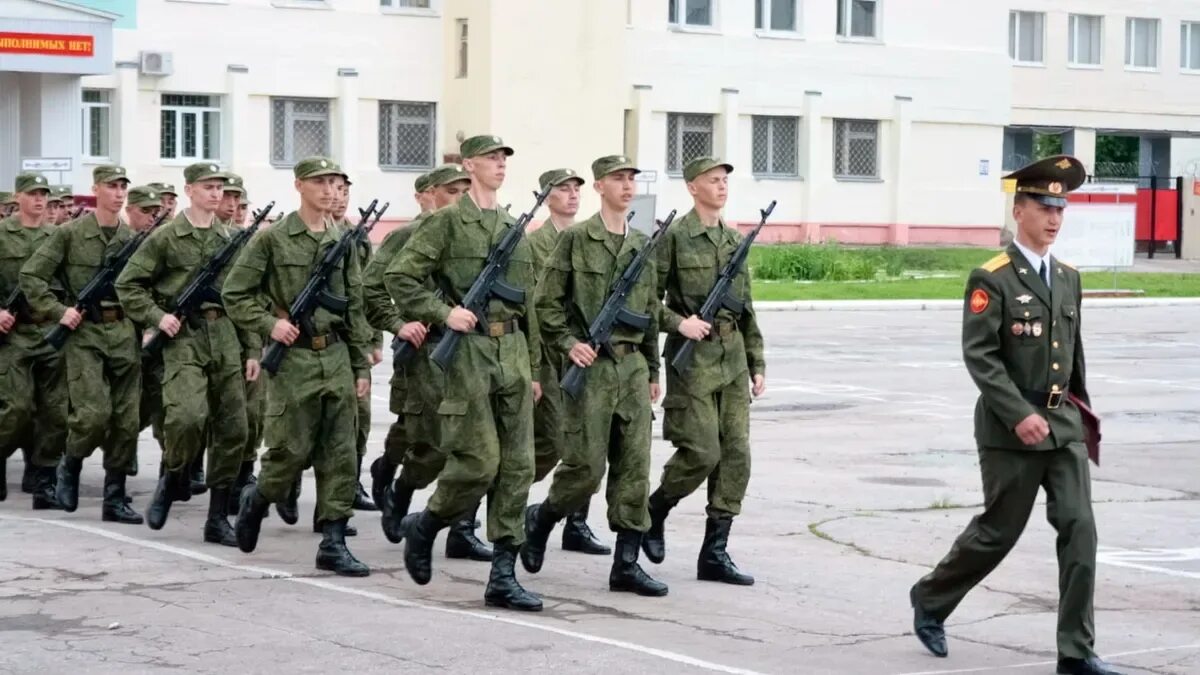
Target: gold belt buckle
{"x":1054,"y":400}
{"x":319,"y":342}
{"x":497,"y":329}
{"x":109,"y":315}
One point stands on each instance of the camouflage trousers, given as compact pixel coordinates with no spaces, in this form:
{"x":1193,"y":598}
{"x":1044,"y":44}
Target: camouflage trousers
{"x":33,"y":398}
{"x":310,"y":420}
{"x":608,"y":425}
{"x":487,"y":434}
{"x":547,"y":421}
{"x":711,"y":434}
{"x":423,"y":458}
{"x":204,"y":400}
{"x":256,"y":401}
{"x":103,"y":390}
{"x":150,"y":412}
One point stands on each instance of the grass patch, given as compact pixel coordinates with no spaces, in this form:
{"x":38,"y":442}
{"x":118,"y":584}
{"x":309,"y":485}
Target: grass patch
{"x":944,"y":503}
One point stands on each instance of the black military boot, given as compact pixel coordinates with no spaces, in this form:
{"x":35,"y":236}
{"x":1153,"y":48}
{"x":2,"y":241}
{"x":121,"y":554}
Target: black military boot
{"x":116,"y":508}
{"x":539,"y":523}
{"x":654,"y":540}
{"x":714,"y":563}
{"x":217,"y":529}
{"x":461,"y":541}
{"x":165,"y":494}
{"x":196,"y":484}
{"x":503,"y":589}
{"x":396,"y":500}
{"x":382,"y":474}
{"x":362,"y":500}
{"x":289,"y":509}
{"x":333,"y":555}
{"x":319,"y":525}
{"x":66,"y":477}
{"x":577,"y":536}
{"x":627,"y":574}
{"x":420,"y":529}
{"x":29,"y":475}
{"x":245,"y":477}
{"x":43,"y":490}
{"x":250,"y":516}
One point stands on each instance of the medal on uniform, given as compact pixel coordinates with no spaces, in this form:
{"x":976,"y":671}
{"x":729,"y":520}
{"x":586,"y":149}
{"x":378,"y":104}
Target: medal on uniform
{"x":1022,"y":270}
{"x":1027,"y":329}
{"x":1024,"y":299}
{"x":1037,"y":329}
{"x":1018,"y":328}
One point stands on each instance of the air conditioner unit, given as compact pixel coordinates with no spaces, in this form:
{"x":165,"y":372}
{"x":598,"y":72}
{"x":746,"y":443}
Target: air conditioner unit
{"x":156,"y":64}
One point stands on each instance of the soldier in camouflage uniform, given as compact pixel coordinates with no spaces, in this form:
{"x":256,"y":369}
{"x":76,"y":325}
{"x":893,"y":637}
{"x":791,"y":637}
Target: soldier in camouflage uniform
{"x":67,"y":198}
{"x":203,"y":395}
{"x":8,"y":204}
{"x":33,"y":394}
{"x":563,"y":204}
{"x":419,"y":450}
{"x":487,"y":410}
{"x":101,"y":354}
{"x":609,"y":424}
{"x":142,"y":208}
{"x":256,"y":399}
{"x":54,"y":206}
{"x":706,"y":411}
{"x":1023,"y":346}
{"x":311,"y":399}
{"x":169,"y":196}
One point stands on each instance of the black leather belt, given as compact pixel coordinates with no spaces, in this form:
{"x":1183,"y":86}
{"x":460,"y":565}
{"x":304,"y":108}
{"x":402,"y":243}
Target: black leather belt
{"x":1044,"y":399}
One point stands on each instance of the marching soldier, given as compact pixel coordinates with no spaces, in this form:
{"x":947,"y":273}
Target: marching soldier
{"x":66,"y":198}
{"x":1023,"y":347}
{"x":143,"y":206}
{"x":418,"y":449}
{"x":169,"y":196}
{"x":311,"y":399}
{"x":54,"y":205}
{"x":610,"y":422}
{"x":487,"y":408}
{"x":256,"y":398}
{"x":33,"y":395}
{"x":203,"y":395}
{"x":101,"y":354}
{"x":8,"y":204}
{"x":706,"y":411}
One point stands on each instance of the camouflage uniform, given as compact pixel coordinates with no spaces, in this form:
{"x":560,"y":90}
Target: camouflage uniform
{"x":101,"y":354}
{"x":33,"y":394}
{"x":706,"y":410}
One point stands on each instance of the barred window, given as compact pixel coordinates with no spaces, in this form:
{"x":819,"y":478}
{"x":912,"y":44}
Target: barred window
{"x":299,"y":129}
{"x":190,"y":127}
{"x":406,"y":134}
{"x":856,"y":148}
{"x":97,"y":122}
{"x":775,"y":146}
{"x":688,"y":136}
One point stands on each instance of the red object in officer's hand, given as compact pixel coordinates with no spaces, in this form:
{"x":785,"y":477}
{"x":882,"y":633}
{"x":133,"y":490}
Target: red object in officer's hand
{"x":1091,"y":428}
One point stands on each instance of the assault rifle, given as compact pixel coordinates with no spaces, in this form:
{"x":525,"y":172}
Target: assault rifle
{"x":720,"y":295}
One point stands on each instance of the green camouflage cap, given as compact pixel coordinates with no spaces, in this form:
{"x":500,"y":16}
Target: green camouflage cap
{"x":63,"y":192}
{"x":200,"y":171}
{"x":143,"y":196}
{"x":7,"y":198}
{"x":702,"y":165}
{"x":611,"y":164}
{"x":316,"y":166}
{"x":244,"y":199}
{"x":165,"y":188}
{"x":482,"y":145}
{"x":556,"y":177}
{"x":31,"y":182}
{"x":421,"y":184}
{"x":234,"y":183}
{"x":447,"y":174}
{"x":109,"y":173}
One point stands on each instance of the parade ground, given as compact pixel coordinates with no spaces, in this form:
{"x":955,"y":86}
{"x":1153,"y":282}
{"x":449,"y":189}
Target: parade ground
{"x":865,"y":470}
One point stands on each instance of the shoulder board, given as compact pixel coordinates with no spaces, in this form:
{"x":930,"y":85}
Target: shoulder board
{"x":996,"y":263}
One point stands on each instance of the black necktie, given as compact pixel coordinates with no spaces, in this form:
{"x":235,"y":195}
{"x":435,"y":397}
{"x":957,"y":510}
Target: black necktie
{"x":1045,"y":272}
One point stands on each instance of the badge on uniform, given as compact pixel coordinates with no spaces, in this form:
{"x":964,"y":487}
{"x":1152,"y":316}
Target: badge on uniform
{"x":979,"y":301}
{"x":1018,"y":329}
{"x":1024,"y":299}
{"x":1037,"y":329}
{"x":1027,"y":329}
{"x":1022,"y":270}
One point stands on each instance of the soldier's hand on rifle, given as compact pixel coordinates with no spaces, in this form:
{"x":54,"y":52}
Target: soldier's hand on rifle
{"x":413,"y":332}
{"x":655,"y":392}
{"x":461,"y":320}
{"x":362,"y":388}
{"x":759,"y":385}
{"x":693,"y":328}
{"x":253,"y":370}
{"x":7,"y":320}
{"x":169,"y":324}
{"x":1033,"y":429}
{"x":537,"y":391}
{"x":582,"y":354}
{"x":71,"y":318}
{"x":285,"y":332}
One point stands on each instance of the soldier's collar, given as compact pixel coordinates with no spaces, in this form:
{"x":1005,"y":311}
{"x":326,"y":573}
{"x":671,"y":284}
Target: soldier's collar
{"x":468,"y":210}
{"x":90,"y":226}
{"x":595,"y":227}
{"x":294,"y":224}
{"x":697,"y":228}
{"x":12,"y":224}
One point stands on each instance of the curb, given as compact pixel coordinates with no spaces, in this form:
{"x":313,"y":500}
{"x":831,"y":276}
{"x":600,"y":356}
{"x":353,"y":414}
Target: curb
{"x":942,"y":305}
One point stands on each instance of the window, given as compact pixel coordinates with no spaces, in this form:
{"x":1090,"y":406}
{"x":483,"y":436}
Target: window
{"x":406,"y":132}
{"x":405,"y":4}
{"x":97,"y":122}
{"x":1141,"y":43}
{"x":191,"y":127}
{"x":299,"y":129}
{"x":858,"y":18}
{"x":775,"y":146}
{"x":688,"y":137}
{"x":690,"y":12}
{"x":856,"y":148}
{"x":1084,"y":40}
{"x":1189,"y":45}
{"x":1026,"y":35}
{"x":460,"y":29}
{"x":777,"y":15}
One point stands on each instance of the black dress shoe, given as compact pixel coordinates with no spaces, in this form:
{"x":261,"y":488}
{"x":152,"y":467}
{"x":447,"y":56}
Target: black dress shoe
{"x":929,"y":630}
{"x":1093,"y":665}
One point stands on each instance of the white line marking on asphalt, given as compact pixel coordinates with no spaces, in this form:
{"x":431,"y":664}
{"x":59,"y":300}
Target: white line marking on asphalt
{"x":380,"y":597}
